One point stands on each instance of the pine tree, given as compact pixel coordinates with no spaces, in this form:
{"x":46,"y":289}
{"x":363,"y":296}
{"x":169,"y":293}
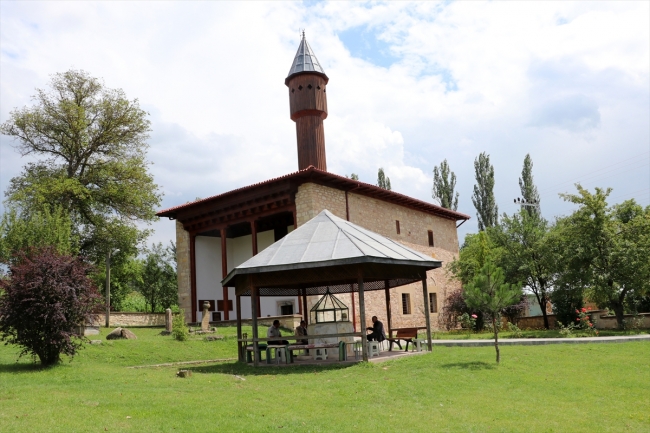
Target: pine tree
{"x":444,"y":183}
{"x":383,"y":181}
{"x":487,"y":210}
{"x":528,"y":189}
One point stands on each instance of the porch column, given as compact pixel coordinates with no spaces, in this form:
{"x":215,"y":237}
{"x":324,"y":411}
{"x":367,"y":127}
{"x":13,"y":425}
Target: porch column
{"x":242,"y":350}
{"x":305,"y":313}
{"x":193,"y":275}
{"x":254,"y":237}
{"x":425,"y":293}
{"x":254,"y":299}
{"x":388,"y":312}
{"x":362,"y":316}
{"x":224,"y":273}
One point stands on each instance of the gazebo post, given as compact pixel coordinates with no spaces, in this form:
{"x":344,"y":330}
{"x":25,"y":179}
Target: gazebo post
{"x":362,"y":317}
{"x":241,"y":353}
{"x":254,"y":297}
{"x":425,"y":293}
{"x":305,"y":313}
{"x":388,"y":312}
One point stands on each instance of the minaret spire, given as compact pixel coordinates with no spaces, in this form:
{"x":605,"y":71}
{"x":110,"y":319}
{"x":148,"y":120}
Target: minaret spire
{"x":308,"y":105}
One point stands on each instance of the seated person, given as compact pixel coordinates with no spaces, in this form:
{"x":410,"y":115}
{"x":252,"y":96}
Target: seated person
{"x":300,"y":331}
{"x":274,"y":332}
{"x":377,"y":329}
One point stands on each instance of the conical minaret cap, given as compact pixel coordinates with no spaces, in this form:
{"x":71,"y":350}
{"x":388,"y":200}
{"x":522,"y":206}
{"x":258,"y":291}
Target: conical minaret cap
{"x":305,"y":61}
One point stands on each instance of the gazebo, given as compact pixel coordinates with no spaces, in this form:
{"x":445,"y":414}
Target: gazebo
{"x":329,"y":254}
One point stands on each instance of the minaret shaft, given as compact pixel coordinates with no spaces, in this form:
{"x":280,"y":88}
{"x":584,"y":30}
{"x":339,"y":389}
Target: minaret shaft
{"x":308,"y":107}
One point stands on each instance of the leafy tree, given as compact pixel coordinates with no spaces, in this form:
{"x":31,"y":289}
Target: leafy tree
{"x":527,"y":256}
{"x":487,"y":211}
{"x":444,"y":183}
{"x":126,"y":277}
{"x":528,"y":189}
{"x":609,"y":247}
{"x":489,"y":292}
{"x":46,"y":227}
{"x":159,"y":283}
{"x":354,"y":176}
{"x":93,"y":143}
{"x":474,"y":253}
{"x":47,"y":297}
{"x":383,"y":181}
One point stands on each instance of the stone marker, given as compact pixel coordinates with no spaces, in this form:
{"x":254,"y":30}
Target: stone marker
{"x":168,"y":320}
{"x":205,"y":321}
{"x":119,"y":333}
{"x":184,"y":373}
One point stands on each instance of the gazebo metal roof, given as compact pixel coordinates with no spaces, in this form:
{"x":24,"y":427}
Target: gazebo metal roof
{"x":328,"y":251}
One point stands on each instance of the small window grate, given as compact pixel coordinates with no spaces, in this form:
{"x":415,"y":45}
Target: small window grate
{"x":397,"y":226}
{"x":406,"y":303}
{"x":299,"y":87}
{"x":430,"y":238}
{"x":433,"y":302}
{"x":309,"y":86}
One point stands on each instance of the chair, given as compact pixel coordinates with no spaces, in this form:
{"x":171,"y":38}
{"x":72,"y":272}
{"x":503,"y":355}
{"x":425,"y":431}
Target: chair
{"x":373,"y":349}
{"x":320,"y":354}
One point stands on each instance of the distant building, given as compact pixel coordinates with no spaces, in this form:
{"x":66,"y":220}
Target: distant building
{"x":216,"y":234}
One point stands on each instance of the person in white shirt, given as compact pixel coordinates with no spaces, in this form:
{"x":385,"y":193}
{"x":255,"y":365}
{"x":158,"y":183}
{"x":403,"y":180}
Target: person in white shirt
{"x":274,"y":332}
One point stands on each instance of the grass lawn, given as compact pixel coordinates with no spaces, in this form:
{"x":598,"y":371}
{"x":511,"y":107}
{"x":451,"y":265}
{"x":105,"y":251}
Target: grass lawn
{"x":555,"y":388}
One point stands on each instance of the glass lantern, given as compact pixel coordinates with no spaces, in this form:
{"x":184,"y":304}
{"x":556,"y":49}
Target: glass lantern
{"x":329,"y":309}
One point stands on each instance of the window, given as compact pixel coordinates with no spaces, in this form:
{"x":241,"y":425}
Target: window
{"x":430,"y":238}
{"x":397,"y":226}
{"x":220,"y":305}
{"x":433,"y":302}
{"x":406,"y":303}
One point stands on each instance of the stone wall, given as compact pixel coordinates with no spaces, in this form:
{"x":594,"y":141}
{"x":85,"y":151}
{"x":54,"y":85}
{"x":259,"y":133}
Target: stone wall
{"x":289,"y":322}
{"x":603,"y":321}
{"x":131,"y":319}
{"x":536,"y":322}
{"x":380,"y":217}
{"x":183,"y":267}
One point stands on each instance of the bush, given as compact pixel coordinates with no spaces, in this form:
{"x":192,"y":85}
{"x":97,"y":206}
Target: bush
{"x":134,"y":302}
{"x":516,"y":332}
{"x":46,"y":298}
{"x":565,"y":302}
{"x":453,"y":310}
{"x":179,"y":327}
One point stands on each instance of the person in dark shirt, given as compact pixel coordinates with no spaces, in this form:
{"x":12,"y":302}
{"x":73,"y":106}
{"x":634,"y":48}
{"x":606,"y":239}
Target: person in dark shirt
{"x":377,"y":329}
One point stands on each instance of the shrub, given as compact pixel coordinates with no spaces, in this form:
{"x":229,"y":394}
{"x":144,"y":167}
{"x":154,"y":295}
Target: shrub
{"x":134,"y":302}
{"x":453,"y":310}
{"x":179,"y":327}
{"x":46,"y":298}
{"x":516,"y":332}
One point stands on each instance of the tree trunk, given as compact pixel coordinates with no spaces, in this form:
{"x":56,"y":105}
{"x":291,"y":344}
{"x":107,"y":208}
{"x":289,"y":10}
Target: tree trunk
{"x":619,"y":310}
{"x":496,"y":337}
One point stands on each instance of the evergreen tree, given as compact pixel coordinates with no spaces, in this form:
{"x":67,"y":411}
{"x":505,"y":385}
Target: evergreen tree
{"x":444,"y":183}
{"x":528,"y":189}
{"x":383,"y":181}
{"x":487,"y":211}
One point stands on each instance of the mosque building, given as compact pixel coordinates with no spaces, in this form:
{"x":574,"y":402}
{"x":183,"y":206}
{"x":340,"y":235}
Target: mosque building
{"x":216,"y":234}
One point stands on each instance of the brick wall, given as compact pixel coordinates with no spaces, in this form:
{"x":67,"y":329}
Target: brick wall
{"x":183,"y":271}
{"x":380,"y":217}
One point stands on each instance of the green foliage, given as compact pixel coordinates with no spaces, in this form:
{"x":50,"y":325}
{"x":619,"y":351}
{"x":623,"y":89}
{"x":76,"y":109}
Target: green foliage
{"x":514,"y":329}
{"x":45,"y":227}
{"x":489,"y":293}
{"x":383,"y":181}
{"x":180,"y":331}
{"x":527,"y":255}
{"x":158,"y":283}
{"x":473,"y":255}
{"x":528,"y":189}
{"x":444,"y":183}
{"x":468,"y":322}
{"x":126,"y":277}
{"x":93,"y":141}
{"x":606,"y":249}
{"x":487,"y":211}
{"x":132,"y":302}
{"x":353,"y":176}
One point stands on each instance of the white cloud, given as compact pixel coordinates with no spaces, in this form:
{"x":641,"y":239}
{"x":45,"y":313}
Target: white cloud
{"x":566,"y":82}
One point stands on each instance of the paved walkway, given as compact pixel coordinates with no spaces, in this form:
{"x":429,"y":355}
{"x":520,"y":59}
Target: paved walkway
{"x":540,"y":341}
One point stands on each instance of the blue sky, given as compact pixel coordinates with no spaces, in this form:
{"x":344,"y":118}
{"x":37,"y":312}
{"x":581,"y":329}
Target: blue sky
{"x":411,"y":84}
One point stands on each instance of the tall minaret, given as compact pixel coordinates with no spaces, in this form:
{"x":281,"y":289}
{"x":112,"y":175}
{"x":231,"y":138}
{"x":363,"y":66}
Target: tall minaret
{"x":308,"y":103}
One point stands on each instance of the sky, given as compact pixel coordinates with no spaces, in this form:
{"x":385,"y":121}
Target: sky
{"x":411,"y":84}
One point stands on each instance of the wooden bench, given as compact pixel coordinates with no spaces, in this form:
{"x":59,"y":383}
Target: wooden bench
{"x":405,"y":334}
